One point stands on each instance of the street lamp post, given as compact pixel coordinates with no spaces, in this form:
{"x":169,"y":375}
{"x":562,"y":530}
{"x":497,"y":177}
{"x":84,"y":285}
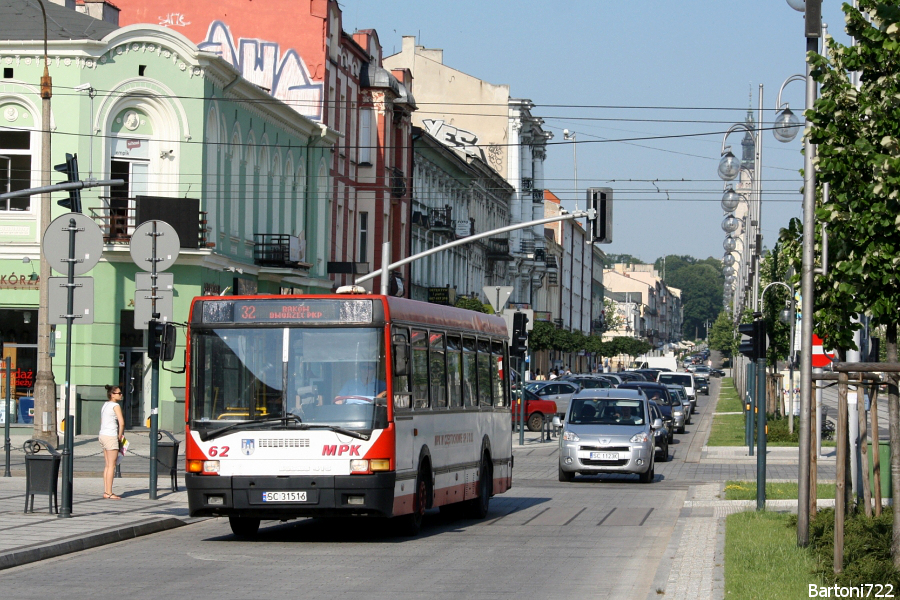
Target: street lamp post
{"x":813,"y":31}
{"x":44,"y":384}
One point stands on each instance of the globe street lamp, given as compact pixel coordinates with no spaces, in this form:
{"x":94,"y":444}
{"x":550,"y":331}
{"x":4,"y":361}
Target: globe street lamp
{"x":730,"y":199}
{"x":786,"y":123}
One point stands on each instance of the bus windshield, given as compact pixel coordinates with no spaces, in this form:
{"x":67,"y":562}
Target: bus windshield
{"x":329,"y":376}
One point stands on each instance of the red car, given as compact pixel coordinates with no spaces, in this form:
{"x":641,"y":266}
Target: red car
{"x":537,"y":411}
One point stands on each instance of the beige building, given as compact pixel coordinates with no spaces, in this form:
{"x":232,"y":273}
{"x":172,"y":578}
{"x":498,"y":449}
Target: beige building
{"x":645,"y":306}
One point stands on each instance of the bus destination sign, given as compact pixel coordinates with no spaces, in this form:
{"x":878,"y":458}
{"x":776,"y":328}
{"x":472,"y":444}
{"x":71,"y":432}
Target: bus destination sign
{"x":307,"y":311}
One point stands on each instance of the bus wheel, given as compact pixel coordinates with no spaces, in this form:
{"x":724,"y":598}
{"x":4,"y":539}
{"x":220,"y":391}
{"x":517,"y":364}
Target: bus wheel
{"x":478,"y":507}
{"x":243,"y":526}
{"x":535,"y":422}
{"x":412,"y":523}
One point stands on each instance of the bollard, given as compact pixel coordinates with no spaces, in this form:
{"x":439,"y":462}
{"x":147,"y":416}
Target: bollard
{"x":41,"y":474}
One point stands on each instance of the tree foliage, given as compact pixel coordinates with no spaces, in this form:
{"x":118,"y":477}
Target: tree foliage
{"x":700,"y":282}
{"x":473,"y":304}
{"x":721,"y":335}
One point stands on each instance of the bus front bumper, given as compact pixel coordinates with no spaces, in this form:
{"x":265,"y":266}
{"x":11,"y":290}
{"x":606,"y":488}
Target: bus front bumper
{"x":273,"y":497}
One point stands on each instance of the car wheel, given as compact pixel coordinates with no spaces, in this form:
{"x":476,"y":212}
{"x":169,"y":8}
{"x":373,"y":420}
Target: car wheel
{"x":536,"y":422}
{"x":648,"y":476}
{"x":680,"y":430}
{"x":664,"y":453}
{"x":244,"y":526}
{"x":688,"y":418}
{"x":566,"y":476}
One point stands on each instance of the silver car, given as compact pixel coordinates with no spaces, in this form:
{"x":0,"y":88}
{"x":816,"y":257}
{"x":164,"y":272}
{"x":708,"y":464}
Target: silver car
{"x":608,"y":431}
{"x":557,"y":391}
{"x":681,"y":394}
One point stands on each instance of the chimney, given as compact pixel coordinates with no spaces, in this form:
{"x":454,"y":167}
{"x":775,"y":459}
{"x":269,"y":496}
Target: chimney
{"x":103,"y":10}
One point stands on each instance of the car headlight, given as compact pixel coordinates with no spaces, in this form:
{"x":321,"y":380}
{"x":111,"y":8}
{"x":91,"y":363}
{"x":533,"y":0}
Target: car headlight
{"x":569,"y":436}
{"x":679,"y":413}
{"x":640,"y":438}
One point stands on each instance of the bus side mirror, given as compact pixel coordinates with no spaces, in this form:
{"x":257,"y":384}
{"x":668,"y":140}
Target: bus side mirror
{"x":401,"y":356}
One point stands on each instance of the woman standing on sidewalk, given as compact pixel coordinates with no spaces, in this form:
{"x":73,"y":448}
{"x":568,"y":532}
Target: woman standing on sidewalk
{"x":112,"y":432}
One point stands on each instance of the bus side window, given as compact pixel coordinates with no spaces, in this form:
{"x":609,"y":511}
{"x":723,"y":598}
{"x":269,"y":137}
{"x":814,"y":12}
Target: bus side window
{"x":454,"y":371}
{"x":400,"y":338}
{"x":438,"y":371}
{"x":484,"y":373}
{"x":499,"y":366}
{"x":470,"y":374}
{"x":420,"y":369}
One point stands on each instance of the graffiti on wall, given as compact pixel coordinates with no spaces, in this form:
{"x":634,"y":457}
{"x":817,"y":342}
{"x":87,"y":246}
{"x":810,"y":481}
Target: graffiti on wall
{"x":454,"y":137}
{"x":173,"y":20}
{"x":285,"y":77}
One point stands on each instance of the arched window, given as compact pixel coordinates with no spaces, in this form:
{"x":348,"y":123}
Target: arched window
{"x":262,"y":199}
{"x":213,"y":155}
{"x":251,"y":177}
{"x":234,"y":190}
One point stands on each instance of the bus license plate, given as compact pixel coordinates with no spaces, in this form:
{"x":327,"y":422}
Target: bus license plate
{"x":284,"y":497}
{"x":604,"y":456}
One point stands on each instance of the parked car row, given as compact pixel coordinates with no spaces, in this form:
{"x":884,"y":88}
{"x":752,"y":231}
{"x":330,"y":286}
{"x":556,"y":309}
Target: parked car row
{"x":627,"y":427}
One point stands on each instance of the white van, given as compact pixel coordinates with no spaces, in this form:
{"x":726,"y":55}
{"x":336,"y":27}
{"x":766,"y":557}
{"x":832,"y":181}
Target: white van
{"x":683,"y":379}
{"x":668,"y":363}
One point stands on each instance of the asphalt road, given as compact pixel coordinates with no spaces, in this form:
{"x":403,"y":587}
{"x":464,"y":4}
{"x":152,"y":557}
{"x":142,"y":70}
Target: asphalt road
{"x":599,"y":537}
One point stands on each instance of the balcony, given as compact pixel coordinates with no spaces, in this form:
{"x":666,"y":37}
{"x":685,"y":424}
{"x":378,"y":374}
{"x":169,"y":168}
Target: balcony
{"x":498,"y":250}
{"x":440,"y":218}
{"x":118,"y":218}
{"x":398,"y":183}
{"x":278,"y":250}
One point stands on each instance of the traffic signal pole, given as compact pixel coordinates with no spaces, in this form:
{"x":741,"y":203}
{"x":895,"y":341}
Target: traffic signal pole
{"x":761,"y":430}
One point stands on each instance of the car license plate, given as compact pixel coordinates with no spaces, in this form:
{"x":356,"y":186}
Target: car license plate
{"x":604,"y":456}
{"x":284,"y":497}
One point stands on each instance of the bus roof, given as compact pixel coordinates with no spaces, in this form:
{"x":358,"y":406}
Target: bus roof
{"x":439,"y":315}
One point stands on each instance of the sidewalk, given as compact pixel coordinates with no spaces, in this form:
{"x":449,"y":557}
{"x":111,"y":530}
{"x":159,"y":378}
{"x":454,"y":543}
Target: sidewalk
{"x":26,"y":538}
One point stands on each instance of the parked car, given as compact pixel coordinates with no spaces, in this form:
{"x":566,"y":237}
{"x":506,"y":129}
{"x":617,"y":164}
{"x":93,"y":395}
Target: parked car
{"x":660,"y":436}
{"x":608,"y":431}
{"x":589,"y":382}
{"x":660,"y":394}
{"x":649,"y":374}
{"x":613,"y":378}
{"x":631,"y":376}
{"x":683,"y":379}
{"x":557,"y":391}
{"x":717,"y":373}
{"x":537,"y":410}
{"x":678,"y":391}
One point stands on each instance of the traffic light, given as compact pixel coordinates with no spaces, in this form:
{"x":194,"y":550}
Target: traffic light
{"x":161,"y":340}
{"x":519,"y":334}
{"x":600,"y":199}
{"x":70,"y":168}
{"x":755,"y":347}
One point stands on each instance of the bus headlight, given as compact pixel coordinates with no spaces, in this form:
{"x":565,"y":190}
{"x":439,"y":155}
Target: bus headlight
{"x":210,"y":466}
{"x":359,"y":465}
{"x":362,"y":465}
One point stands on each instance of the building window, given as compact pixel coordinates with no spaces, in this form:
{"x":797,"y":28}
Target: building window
{"x":365,"y":136}
{"x":363,"y":237}
{"x":122,"y":206}
{"x":15,"y":167}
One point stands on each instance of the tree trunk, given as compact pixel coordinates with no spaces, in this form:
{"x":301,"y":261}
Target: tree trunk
{"x":894,"y":418}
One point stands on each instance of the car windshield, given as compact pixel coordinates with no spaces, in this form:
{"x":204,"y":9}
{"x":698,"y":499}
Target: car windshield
{"x":331,"y":376}
{"x":532,"y":386}
{"x":607,"y":411}
{"x":684,"y":380}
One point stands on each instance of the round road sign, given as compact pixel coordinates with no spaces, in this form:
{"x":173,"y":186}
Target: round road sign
{"x":167,"y":245}
{"x":88,"y":243}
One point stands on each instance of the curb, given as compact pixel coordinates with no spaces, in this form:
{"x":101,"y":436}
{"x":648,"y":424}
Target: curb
{"x":79,"y":543}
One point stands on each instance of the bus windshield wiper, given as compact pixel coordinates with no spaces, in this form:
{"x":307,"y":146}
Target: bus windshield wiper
{"x":211,"y":435}
{"x":336,"y":429}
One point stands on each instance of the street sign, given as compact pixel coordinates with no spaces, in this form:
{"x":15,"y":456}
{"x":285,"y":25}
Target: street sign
{"x":497,"y":295}
{"x":167,"y":245}
{"x":164,"y":281}
{"x":820,"y":358}
{"x":88,"y":244}
{"x":82,"y":300}
{"x":143,"y":306}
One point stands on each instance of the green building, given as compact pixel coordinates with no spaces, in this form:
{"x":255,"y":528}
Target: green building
{"x":241,"y":176}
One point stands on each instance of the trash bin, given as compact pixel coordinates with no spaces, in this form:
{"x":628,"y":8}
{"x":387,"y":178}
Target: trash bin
{"x":167,"y":457}
{"x":884,"y":457}
{"x":26,"y":409}
{"x":41,"y":473}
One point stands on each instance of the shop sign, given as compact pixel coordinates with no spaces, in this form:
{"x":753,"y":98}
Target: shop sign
{"x":543,"y":315}
{"x":21,"y":378}
{"x":439,"y":295}
{"x":18,"y":282}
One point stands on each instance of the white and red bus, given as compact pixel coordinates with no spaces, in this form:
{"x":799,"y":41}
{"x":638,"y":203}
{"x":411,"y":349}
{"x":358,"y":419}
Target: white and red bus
{"x":336,"y":405}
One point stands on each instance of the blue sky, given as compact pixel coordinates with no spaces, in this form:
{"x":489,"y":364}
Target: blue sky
{"x":663,"y":62}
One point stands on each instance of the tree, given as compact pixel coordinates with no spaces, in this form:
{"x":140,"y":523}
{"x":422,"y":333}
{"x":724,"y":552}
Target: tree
{"x":721,"y":336}
{"x":473,"y":304}
{"x":613,"y":320}
{"x":612,"y":259}
{"x":857,"y":134}
{"x":701,"y":290}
